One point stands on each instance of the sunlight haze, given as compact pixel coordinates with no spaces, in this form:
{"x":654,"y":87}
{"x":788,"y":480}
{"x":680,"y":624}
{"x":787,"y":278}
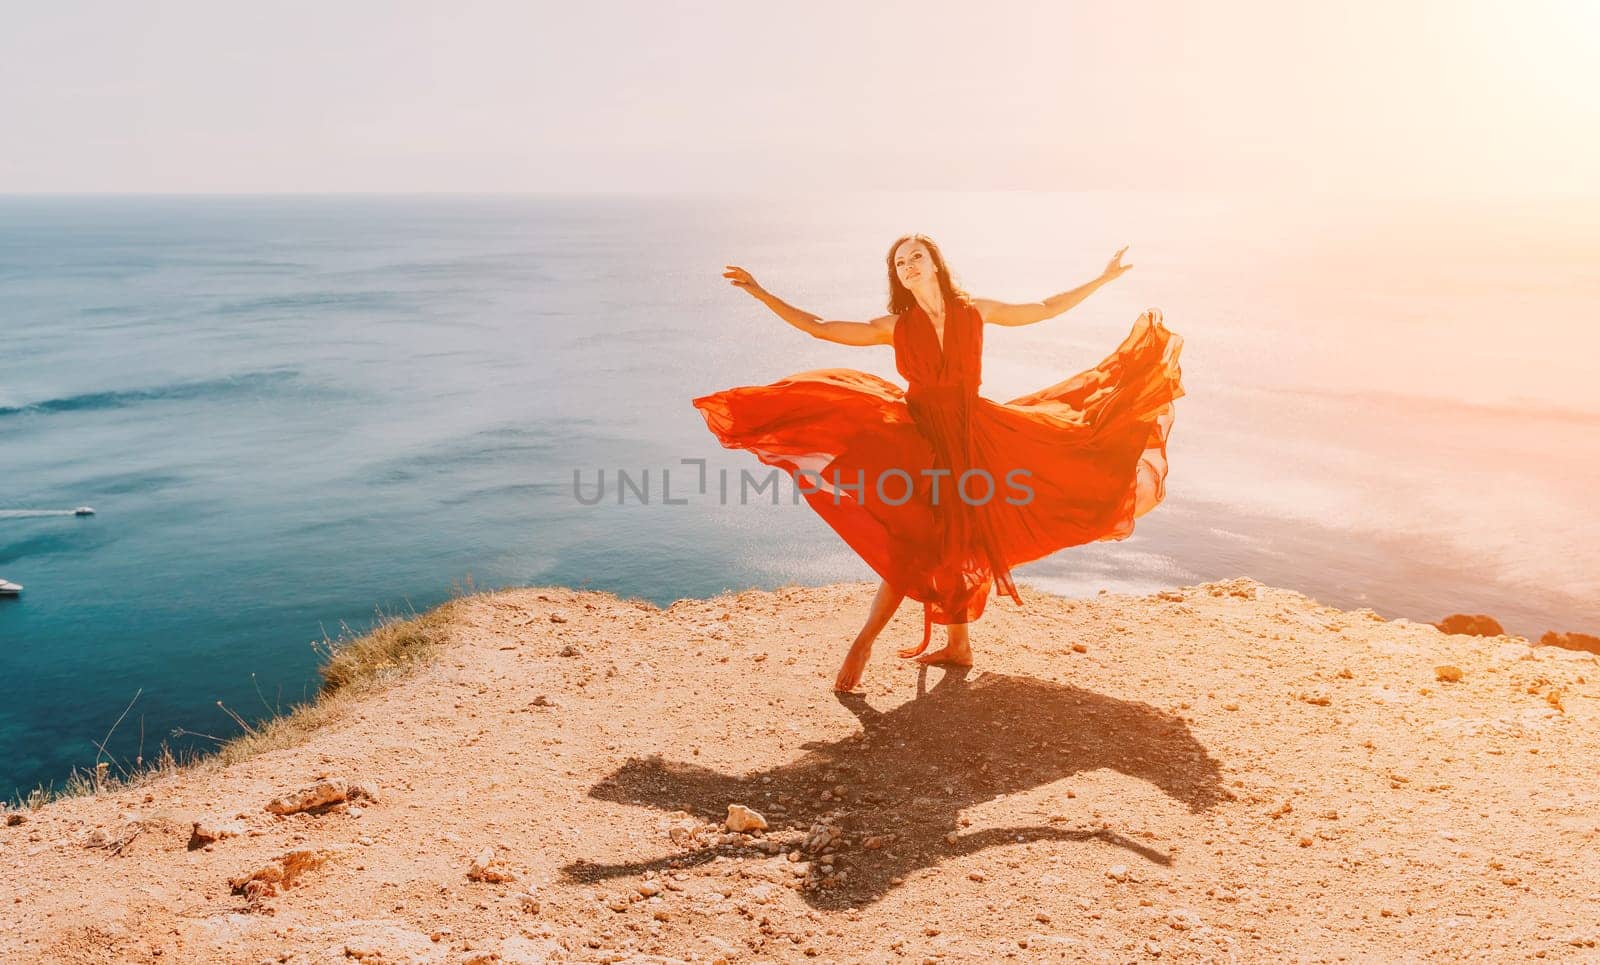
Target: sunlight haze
{"x":1480,"y":97}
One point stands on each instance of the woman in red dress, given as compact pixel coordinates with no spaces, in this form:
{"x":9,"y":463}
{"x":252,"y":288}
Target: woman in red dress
{"x":940,"y":490}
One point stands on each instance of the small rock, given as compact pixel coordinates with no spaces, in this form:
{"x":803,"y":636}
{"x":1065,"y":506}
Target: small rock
{"x":323,"y":793}
{"x":569,"y":651}
{"x":1448,"y":673}
{"x":1471,"y":624}
{"x":485,"y":867}
{"x":1117,"y":872}
{"x":1571,"y":641}
{"x":278,"y":874}
{"x":205,"y":832}
{"x":742,"y":819}
{"x":818,"y":839}
{"x":1182,"y":919}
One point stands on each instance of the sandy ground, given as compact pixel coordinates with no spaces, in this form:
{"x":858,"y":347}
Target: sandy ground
{"x":1228,"y":772}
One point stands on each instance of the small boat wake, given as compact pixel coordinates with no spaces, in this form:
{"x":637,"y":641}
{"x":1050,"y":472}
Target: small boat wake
{"x":35,"y":513}
{"x":7,"y":588}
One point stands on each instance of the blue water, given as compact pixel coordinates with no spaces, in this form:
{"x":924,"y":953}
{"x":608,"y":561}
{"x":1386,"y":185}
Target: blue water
{"x":292,"y":414}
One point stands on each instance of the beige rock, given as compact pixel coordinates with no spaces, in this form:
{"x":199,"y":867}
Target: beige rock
{"x":205,"y":832}
{"x":743,"y":819}
{"x":321,"y":794}
{"x":279,"y":874}
{"x":487,"y":868}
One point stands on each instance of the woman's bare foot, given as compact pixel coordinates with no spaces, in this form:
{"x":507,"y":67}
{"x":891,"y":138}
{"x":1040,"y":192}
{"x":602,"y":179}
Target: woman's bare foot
{"x":850,"y":672}
{"x":883,"y":607}
{"x":957,"y":651}
{"x":948,"y":656}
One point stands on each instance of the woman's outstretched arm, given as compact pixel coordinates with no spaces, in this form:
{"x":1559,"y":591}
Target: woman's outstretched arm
{"x":1005,"y":313}
{"x":879,"y":331}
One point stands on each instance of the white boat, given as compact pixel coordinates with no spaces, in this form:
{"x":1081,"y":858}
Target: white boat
{"x":83,"y":511}
{"x":9,"y":589}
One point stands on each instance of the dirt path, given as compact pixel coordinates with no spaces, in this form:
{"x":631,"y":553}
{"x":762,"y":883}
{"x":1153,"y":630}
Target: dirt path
{"x":1232,"y":773}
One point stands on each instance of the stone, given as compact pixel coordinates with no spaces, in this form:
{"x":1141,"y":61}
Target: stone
{"x":322,"y":794}
{"x":742,"y":819}
{"x":205,"y":832}
{"x":1571,"y":641}
{"x":818,"y":839}
{"x":1471,"y":624}
{"x":279,"y":874}
{"x":485,"y":867}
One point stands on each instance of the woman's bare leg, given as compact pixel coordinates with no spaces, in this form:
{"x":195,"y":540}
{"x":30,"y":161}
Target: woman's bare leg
{"x":957,"y":649}
{"x":883,"y":606}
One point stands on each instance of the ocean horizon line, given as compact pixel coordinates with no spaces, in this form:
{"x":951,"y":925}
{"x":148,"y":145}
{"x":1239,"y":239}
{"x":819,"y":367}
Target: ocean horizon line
{"x":1320,"y":194}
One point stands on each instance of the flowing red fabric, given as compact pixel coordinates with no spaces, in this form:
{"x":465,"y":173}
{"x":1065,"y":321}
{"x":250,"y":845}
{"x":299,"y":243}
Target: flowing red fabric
{"x":942,"y":491}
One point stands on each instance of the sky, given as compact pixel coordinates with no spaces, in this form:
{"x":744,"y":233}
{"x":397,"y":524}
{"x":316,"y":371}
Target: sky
{"x":1372,"y":97}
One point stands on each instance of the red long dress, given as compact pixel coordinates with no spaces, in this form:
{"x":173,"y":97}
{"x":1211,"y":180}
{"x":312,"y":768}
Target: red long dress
{"x":1070,"y":464}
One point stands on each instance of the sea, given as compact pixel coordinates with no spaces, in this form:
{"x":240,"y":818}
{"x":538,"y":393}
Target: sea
{"x":297,"y":415}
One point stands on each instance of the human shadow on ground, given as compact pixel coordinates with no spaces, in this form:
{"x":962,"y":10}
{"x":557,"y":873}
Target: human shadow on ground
{"x":911,"y":772}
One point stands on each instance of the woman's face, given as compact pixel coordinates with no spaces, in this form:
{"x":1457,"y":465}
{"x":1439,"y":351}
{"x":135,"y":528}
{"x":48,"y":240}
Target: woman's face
{"x":914,"y":264}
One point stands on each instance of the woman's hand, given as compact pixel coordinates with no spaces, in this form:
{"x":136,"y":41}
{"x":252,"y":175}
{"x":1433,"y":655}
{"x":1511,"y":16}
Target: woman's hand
{"x":740,"y":278}
{"x":1115,"y":267}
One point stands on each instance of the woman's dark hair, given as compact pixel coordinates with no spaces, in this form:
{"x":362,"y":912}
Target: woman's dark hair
{"x":900,"y":298}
